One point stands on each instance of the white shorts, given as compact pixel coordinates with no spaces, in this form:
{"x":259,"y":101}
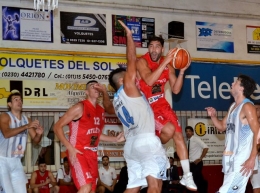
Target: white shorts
{"x":255,"y":178}
{"x":234,"y":182}
{"x":145,"y":156}
{"x":12,"y":176}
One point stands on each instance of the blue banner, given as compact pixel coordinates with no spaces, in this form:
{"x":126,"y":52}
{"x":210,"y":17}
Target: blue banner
{"x":208,"y":84}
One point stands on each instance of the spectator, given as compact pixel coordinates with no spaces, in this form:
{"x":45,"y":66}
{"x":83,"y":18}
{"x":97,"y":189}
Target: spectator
{"x":42,"y":179}
{"x":107,"y":177}
{"x":64,"y":178}
{"x":197,"y":150}
{"x":173,"y":179}
{"x":120,"y":186}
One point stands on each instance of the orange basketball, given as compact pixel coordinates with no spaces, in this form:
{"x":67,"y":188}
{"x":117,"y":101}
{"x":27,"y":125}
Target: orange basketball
{"x":181,"y":58}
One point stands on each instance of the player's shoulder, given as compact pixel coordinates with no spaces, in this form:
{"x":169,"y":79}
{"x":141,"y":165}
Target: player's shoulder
{"x":5,"y":116}
{"x":248,"y":106}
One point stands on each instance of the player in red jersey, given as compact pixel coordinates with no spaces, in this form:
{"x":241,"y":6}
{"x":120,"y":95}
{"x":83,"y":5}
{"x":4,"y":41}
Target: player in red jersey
{"x":154,"y":71}
{"x":86,"y":121}
{"x":42,"y":178}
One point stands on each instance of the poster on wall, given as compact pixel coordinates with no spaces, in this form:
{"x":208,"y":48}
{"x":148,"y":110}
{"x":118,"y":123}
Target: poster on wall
{"x":253,"y":39}
{"x":207,"y":132}
{"x":142,"y":29}
{"x":83,"y":28}
{"x":20,"y":24}
{"x":214,"y":37}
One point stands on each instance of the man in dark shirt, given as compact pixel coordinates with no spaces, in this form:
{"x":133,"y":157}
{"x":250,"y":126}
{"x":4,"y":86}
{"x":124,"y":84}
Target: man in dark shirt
{"x":120,"y":186}
{"x":173,"y":179}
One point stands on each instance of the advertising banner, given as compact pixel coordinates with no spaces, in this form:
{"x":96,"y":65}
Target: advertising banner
{"x":27,"y":24}
{"x":83,"y":28}
{"x":208,"y":85}
{"x":142,"y":29}
{"x":52,"y":82}
{"x":215,"y":37}
{"x":207,"y":132}
{"x":253,"y":39}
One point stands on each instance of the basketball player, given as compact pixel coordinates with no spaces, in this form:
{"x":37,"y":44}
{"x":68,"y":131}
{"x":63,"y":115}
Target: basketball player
{"x":14,"y":129}
{"x":255,"y":178}
{"x":144,"y":154}
{"x":154,"y":72}
{"x":42,"y":178}
{"x":242,"y":127}
{"x":86,"y":121}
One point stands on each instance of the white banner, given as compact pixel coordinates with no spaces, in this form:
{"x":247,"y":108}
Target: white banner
{"x":208,"y":133}
{"x":215,"y":37}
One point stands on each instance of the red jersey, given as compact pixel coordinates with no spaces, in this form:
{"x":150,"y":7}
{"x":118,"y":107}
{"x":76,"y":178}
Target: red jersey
{"x":85,"y":132}
{"x":41,"y":179}
{"x":155,"y":93}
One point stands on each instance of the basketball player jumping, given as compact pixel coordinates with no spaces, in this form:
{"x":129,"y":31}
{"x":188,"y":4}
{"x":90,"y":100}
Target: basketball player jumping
{"x":154,"y":72}
{"x":144,"y":154}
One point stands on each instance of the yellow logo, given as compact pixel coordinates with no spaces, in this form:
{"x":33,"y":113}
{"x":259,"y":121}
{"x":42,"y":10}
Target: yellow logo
{"x":256,"y":34}
{"x":4,"y":93}
{"x":200,"y":129}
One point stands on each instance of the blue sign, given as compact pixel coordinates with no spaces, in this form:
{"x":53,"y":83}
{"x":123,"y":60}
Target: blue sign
{"x":208,"y":85}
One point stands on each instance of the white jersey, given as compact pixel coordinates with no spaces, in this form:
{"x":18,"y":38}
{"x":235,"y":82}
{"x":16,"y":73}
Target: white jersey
{"x":14,"y":146}
{"x":135,"y":114}
{"x":239,"y":141}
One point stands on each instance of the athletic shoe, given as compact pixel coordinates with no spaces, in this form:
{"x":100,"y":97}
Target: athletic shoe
{"x":170,"y":151}
{"x":187,"y":180}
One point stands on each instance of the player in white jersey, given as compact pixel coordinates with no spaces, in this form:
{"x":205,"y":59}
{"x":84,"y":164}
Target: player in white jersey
{"x":242,"y":127}
{"x":255,"y":178}
{"x":14,"y":128}
{"x":145,"y":156}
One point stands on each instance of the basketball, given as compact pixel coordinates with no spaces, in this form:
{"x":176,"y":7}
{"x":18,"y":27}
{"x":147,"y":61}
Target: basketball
{"x":181,"y":58}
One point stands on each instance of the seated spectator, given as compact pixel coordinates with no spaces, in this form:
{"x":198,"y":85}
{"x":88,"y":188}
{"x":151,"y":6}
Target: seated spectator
{"x":107,"y":177}
{"x":42,"y":179}
{"x":64,"y":178}
{"x":120,"y":186}
{"x":173,"y":179}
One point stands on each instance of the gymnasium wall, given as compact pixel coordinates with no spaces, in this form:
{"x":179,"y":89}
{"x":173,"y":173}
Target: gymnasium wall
{"x":237,"y":13}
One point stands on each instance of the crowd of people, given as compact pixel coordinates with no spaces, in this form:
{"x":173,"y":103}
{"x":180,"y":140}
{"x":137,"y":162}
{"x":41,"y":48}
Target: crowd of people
{"x":144,"y":132}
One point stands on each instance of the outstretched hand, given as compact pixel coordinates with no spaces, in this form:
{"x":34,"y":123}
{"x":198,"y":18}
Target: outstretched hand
{"x":211,"y":111}
{"x":169,"y":57}
{"x":34,"y":124}
{"x":120,"y":137}
{"x":39,"y":130}
{"x":128,"y":31}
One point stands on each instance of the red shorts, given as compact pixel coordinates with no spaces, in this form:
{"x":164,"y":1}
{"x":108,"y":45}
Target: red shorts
{"x":164,"y":115}
{"x":85,"y":170}
{"x":44,"y":190}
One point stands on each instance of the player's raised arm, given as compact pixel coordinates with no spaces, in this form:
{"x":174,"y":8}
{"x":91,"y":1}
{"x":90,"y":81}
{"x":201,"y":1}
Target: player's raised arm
{"x":130,"y":77}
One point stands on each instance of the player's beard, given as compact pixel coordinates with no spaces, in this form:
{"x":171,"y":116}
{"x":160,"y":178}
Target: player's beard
{"x":155,"y":57}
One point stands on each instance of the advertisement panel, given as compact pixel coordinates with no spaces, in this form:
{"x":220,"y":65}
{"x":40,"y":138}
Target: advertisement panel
{"x":253,"y":39}
{"x":207,"y":132}
{"x":52,"y":81}
{"x":142,"y":29}
{"x":208,"y":84}
{"x":83,"y":28}
{"x":214,"y":37}
{"x":26,"y":24}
